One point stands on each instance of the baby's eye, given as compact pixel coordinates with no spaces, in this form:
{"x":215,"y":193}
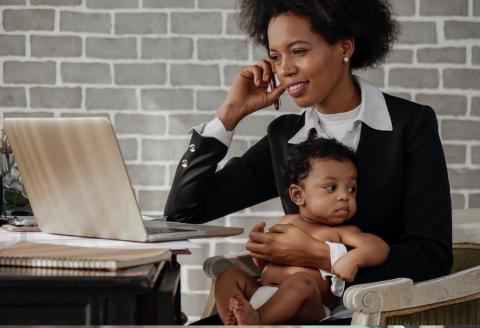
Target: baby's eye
{"x":352,"y":189}
{"x":298,"y":51}
{"x":330,"y":188}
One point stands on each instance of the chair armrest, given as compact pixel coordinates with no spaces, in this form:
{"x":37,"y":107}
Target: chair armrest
{"x":368,"y":301}
{"x":215,"y":265}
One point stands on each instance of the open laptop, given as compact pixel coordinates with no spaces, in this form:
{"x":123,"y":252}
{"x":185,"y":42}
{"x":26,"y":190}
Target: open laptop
{"x":77,"y":182}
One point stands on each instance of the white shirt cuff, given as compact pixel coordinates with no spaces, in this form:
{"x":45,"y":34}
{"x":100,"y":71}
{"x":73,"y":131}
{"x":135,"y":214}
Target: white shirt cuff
{"x":215,"y":129}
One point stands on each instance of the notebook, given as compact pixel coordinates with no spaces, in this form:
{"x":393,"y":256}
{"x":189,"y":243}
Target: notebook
{"x":26,"y":254}
{"x":77,"y":182}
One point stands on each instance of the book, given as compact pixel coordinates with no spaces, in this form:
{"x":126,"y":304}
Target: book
{"x":40,"y":255}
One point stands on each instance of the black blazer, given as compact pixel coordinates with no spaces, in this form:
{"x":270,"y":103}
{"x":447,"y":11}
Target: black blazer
{"x":403,"y":189}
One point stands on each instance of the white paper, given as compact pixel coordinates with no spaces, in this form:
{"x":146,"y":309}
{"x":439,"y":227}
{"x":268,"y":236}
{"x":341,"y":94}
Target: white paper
{"x":8,"y":238}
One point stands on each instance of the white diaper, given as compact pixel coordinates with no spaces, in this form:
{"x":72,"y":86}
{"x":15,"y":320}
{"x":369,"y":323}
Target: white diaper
{"x":264,"y":293}
{"x":337,"y":250}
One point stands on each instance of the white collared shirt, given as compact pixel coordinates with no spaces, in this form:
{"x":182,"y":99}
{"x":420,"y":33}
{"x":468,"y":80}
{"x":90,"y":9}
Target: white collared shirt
{"x":372,"y":111}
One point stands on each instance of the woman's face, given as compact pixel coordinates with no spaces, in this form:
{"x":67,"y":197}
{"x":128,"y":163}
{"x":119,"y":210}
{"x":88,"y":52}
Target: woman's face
{"x":310,"y":67}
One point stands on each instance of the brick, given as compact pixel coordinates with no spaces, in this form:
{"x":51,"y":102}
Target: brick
{"x":444,"y":104}
{"x":199,"y":281}
{"x":179,"y":124}
{"x":196,"y":23}
{"x":114,"y":48}
{"x":474,"y":201}
{"x":418,"y":32}
{"x":460,"y":130}
{"x":230,"y":72}
{"x":442,"y":55}
{"x":463,"y":178}
{"x":111,"y":4}
{"x":403,"y":7}
{"x":152,"y":200}
{"x":85,"y":22}
{"x":461,"y":78}
{"x":232,"y":24}
{"x":28,"y":19}
{"x":400,"y":56}
{"x":223,"y":248}
{"x":55,"y":46}
{"x":140,"y":73}
{"x":221,"y":4}
{"x":375,"y":76}
{"x":476,"y":7}
{"x":193,"y":303}
{"x":222,"y":49}
{"x":141,"y":23}
{"x":12,"y":97}
{"x":29,"y":72}
{"x":158,"y":99}
{"x":85,"y":114}
{"x":476,"y":55}
{"x":12,"y":2}
{"x":110,"y":99}
{"x":163,"y":150}
{"x":194,"y":74}
{"x":476,"y":155}
{"x":168,"y":4}
{"x":12,"y":45}
{"x":462,"y":30}
{"x":458,"y":201}
{"x":210,"y":99}
{"x":26,"y":114}
{"x":236,"y":149}
{"x":146,"y":175}
{"x":197,"y":256}
{"x":168,"y":48}
{"x":444,"y":7}
{"x":254,"y":125}
{"x":56,"y":2}
{"x":129,"y":148}
{"x":455,"y":154}
{"x":476,"y":106}
{"x":414,"y":78}
{"x":273,"y":205}
{"x":140,"y":124}
{"x":41,"y":97}
{"x":258,"y":53}
{"x":404,"y":95}
{"x":92,"y":73}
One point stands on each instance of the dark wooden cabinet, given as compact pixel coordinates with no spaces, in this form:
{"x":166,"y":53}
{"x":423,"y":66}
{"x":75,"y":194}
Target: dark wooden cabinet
{"x":143,"y":295}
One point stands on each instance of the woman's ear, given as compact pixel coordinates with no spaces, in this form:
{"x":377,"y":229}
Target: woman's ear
{"x":296,"y":194}
{"x":347,"y":47}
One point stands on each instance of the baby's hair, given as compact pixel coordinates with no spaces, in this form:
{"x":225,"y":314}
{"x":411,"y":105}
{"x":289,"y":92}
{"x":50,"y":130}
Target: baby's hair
{"x":368,"y":22}
{"x":297,"y":166}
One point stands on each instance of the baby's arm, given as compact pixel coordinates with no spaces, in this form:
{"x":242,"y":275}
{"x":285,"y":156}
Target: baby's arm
{"x":368,"y":250}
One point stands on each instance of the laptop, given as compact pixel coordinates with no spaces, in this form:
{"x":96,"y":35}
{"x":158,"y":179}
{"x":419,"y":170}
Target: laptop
{"x":77,"y":182}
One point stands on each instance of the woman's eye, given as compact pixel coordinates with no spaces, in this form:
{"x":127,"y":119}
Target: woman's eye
{"x":330,"y":188}
{"x":298,"y":51}
{"x":275,"y":58}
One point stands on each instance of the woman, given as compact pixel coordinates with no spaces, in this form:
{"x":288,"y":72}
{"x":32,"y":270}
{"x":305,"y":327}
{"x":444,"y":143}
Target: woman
{"x":313,"y":45}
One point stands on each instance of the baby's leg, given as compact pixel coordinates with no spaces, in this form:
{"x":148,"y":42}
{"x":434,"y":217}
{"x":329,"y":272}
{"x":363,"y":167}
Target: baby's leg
{"x":232,"y":282}
{"x":298,"y":299}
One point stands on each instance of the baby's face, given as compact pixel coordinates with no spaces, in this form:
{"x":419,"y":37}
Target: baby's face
{"x":329,"y":191}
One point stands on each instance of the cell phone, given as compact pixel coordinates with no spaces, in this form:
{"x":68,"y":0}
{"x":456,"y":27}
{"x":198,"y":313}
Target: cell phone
{"x":273,"y":86}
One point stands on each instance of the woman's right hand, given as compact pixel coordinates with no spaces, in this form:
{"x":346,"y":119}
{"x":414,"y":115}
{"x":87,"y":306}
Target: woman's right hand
{"x":248,"y":94}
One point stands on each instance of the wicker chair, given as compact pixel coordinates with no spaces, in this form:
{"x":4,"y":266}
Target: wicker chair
{"x":450,"y":300}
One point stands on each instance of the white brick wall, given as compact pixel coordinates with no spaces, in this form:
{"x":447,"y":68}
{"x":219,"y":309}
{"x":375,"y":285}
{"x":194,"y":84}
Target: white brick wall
{"x":157,"y":67}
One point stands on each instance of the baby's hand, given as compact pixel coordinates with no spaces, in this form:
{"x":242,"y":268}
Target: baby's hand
{"x":345,"y":268}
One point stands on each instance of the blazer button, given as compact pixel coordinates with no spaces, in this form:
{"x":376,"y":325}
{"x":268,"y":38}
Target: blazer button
{"x":192,"y":148}
{"x":184,"y":163}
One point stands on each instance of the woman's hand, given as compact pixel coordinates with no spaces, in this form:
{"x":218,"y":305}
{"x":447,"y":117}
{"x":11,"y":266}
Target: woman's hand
{"x":288,"y":245}
{"x":248,"y":94}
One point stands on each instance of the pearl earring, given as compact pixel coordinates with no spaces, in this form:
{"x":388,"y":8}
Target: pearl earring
{"x":346,"y":59}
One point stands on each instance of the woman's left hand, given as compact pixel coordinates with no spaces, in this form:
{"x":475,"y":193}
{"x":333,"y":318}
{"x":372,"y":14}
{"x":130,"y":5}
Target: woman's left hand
{"x":288,"y":245}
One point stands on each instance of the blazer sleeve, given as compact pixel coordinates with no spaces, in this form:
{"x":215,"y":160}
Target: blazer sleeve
{"x":199,"y":193}
{"x":424,"y":250}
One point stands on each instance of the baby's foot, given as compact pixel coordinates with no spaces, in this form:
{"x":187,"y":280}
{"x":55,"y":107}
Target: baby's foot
{"x":243,"y":311}
{"x":231,"y":320}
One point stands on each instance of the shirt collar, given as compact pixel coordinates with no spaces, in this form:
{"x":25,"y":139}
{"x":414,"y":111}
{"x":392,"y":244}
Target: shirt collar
{"x":373,"y":112}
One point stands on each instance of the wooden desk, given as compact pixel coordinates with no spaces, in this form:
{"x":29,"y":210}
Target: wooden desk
{"x":148,"y":294}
